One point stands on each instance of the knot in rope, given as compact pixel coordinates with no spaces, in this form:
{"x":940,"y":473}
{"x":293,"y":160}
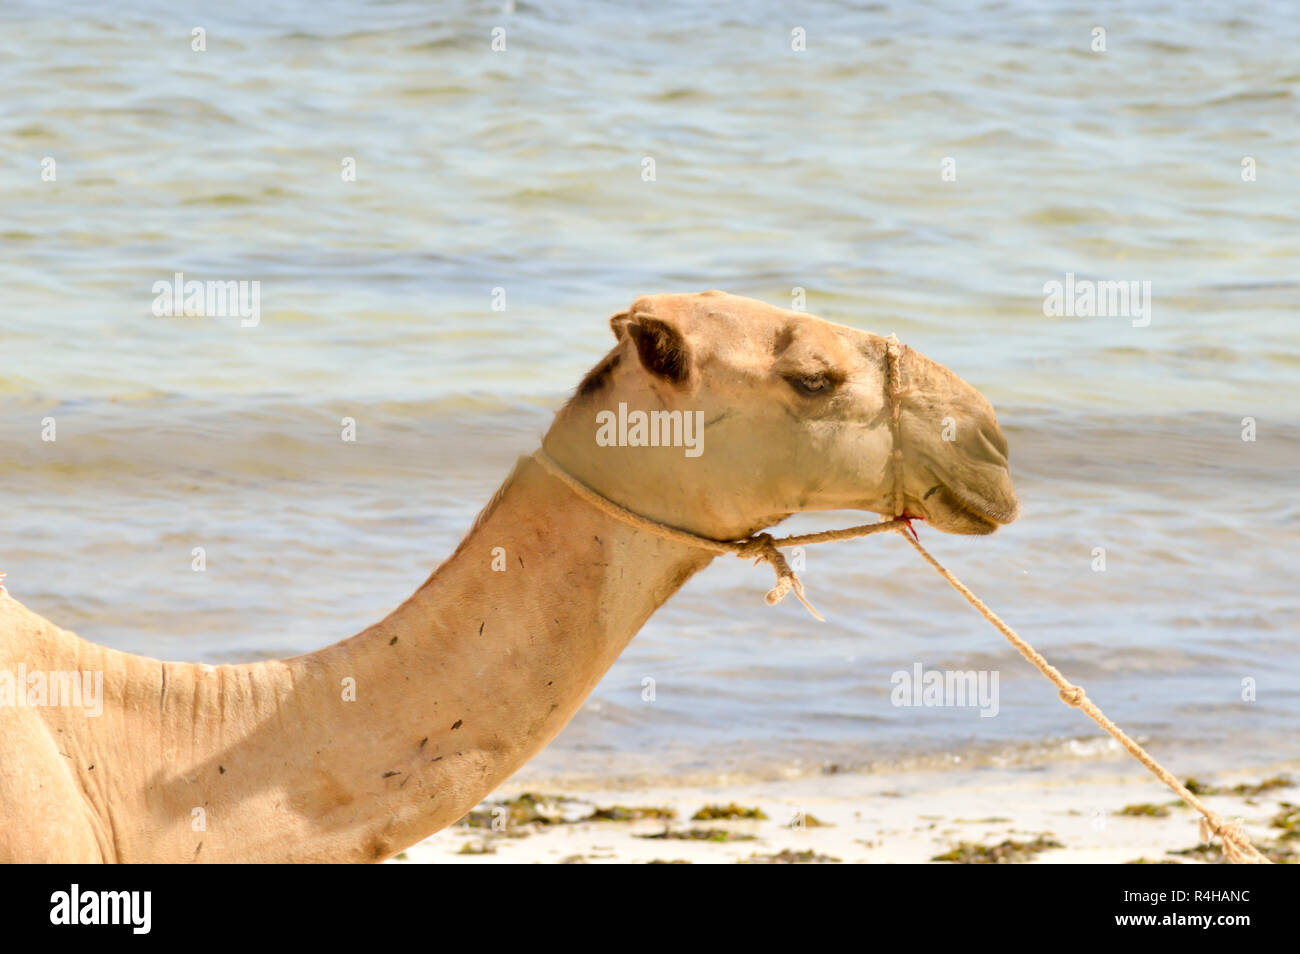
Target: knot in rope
{"x":1072,"y":696}
{"x":1236,"y":845}
{"x":763,"y":549}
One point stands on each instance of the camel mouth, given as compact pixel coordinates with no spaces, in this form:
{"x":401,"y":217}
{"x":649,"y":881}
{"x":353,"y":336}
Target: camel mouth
{"x":950,"y":510}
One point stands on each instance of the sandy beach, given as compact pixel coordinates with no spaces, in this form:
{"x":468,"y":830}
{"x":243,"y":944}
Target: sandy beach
{"x":1059,"y":814}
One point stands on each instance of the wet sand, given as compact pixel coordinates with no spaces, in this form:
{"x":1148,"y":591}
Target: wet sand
{"x":1058,"y":814}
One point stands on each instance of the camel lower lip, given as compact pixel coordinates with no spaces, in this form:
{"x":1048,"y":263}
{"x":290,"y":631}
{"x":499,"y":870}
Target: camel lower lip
{"x":958,"y":508}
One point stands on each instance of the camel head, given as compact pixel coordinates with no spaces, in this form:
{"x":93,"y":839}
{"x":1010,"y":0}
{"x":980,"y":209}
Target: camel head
{"x":722,"y":415}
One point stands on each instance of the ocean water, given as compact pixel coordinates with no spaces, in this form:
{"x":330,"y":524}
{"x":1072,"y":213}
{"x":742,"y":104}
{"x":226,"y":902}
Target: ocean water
{"x":775,"y":170}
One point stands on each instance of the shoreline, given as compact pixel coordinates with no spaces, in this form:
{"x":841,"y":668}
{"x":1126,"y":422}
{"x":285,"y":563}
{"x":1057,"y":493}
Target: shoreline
{"x":1049,"y":814}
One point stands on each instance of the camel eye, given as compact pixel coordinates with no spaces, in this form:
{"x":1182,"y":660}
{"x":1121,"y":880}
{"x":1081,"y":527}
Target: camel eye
{"x":811,"y":383}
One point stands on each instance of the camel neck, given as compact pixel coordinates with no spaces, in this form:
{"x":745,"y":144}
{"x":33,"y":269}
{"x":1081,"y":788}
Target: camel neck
{"x":482,"y":666}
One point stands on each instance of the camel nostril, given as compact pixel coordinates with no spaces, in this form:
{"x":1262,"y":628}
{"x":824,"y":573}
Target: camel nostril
{"x":995,"y":437}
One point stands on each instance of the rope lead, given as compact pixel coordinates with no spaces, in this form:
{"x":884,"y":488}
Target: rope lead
{"x":764,"y":548}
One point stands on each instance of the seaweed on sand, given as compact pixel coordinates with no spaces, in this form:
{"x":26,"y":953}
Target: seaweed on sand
{"x":1004,"y":853}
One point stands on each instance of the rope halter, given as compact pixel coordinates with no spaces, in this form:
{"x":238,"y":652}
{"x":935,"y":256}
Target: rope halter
{"x":763,"y":547}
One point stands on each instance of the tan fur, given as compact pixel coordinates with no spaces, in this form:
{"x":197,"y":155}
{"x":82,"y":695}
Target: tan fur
{"x":479,"y":670}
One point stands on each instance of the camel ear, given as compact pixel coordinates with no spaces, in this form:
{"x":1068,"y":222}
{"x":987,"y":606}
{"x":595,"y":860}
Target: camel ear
{"x":618,"y":324}
{"x":661,"y":347}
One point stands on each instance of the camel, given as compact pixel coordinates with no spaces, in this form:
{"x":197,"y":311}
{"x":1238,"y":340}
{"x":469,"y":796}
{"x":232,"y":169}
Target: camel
{"x":365,"y":747}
